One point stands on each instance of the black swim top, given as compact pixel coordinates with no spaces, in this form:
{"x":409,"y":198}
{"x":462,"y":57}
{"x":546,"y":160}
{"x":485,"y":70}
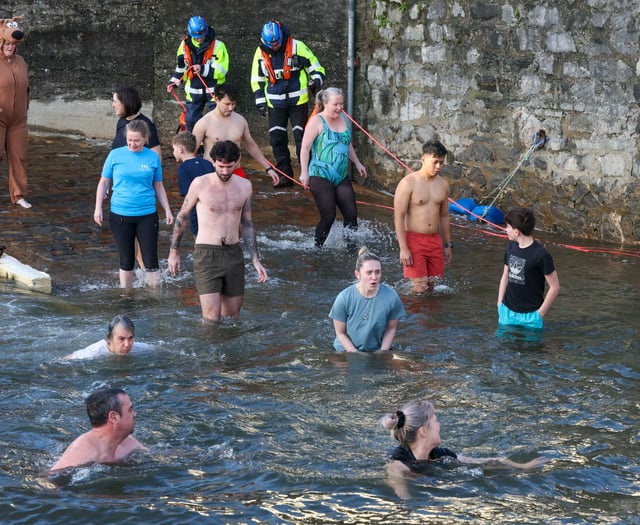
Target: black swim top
{"x":421,"y":466}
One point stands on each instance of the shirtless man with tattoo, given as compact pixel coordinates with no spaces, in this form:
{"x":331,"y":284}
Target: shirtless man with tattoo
{"x":223,"y":206}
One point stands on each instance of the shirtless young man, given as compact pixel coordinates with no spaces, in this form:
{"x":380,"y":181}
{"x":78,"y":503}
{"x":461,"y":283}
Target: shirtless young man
{"x":223,"y":205}
{"x":421,"y":217}
{"x":113,"y":419}
{"x":223,"y":123}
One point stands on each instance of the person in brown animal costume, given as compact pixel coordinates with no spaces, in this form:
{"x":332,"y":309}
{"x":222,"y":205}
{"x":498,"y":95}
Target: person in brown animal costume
{"x":14,"y":103}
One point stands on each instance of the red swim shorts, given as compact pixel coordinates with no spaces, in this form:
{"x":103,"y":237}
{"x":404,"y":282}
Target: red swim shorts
{"x":427,"y":254}
{"x":240,"y":172}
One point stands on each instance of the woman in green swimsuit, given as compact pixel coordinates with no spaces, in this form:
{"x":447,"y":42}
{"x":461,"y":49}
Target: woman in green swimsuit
{"x":324,"y":159}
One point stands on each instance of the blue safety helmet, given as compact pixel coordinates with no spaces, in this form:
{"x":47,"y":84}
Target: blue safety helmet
{"x":272,"y":34}
{"x":197,"y":27}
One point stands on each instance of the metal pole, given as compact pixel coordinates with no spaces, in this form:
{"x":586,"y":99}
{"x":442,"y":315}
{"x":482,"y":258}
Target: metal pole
{"x":351,"y":56}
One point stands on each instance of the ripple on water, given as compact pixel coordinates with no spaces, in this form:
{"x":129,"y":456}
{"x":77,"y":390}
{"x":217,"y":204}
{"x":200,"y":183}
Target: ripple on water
{"x":260,"y":421}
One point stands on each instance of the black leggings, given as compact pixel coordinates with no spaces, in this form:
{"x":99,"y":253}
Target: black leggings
{"x":327,"y":196}
{"x":126,"y":229}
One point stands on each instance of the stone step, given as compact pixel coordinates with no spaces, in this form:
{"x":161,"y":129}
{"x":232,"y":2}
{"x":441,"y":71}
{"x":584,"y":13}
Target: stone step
{"x":11,"y":269}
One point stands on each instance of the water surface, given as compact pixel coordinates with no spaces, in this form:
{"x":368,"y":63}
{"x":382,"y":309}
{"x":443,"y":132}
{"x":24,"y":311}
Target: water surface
{"x":260,"y":421}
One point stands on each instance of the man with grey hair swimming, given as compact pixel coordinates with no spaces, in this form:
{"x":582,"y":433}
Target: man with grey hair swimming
{"x":119,"y":341}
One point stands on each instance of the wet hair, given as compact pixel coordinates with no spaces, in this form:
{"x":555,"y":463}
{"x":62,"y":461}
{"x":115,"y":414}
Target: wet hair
{"x":101,"y":402}
{"x":139,"y":126}
{"x":120,"y":320}
{"x":521,"y":219}
{"x":130,"y":100}
{"x":323,"y":96}
{"x":225,"y":150}
{"x":365,"y":255}
{"x":405,"y":423}
{"x":226,"y":90}
{"x":186,"y":139}
{"x":317,"y":103}
{"x":435,"y":148}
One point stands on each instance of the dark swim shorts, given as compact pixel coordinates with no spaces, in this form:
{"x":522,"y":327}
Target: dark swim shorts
{"x":219,"y":269}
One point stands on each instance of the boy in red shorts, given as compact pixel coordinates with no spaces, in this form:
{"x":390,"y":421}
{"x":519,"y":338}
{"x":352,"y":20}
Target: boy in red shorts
{"x":421,"y":217}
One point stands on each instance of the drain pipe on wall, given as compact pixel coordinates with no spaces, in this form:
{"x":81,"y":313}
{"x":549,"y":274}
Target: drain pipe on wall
{"x":351,"y":56}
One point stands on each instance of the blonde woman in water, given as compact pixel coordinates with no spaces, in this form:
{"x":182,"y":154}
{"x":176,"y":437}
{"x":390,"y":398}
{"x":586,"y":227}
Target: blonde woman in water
{"x":416,"y":428}
{"x":366,"y":314}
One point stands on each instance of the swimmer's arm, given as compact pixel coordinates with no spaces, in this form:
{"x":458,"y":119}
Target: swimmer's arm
{"x":362,"y":171}
{"x":311,"y":131}
{"x":389,"y":334}
{"x":179,"y":227}
{"x":552,"y":293}
{"x":445,"y":226}
{"x":131,"y":445}
{"x":504,"y":281}
{"x":182,"y":219}
{"x":161,"y":195}
{"x":248,"y":231}
{"x":76,"y":454}
{"x":502,"y":462}
{"x":341,"y":333}
{"x":401,"y":202}
{"x":255,"y":152}
{"x":396,"y":478}
{"x":101,"y":194}
{"x":199,"y":132}
{"x":249,"y":237}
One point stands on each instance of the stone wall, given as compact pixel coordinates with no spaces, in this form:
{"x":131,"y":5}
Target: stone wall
{"x":481,"y":76}
{"x":79,"y":51}
{"x":484,"y":76}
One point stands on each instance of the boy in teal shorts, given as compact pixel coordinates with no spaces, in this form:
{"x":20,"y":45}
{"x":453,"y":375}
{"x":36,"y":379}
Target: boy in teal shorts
{"x":527,"y":265}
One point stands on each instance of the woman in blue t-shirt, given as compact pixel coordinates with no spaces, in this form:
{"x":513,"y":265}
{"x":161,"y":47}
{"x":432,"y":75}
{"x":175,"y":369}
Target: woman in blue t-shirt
{"x":417,"y":429}
{"x":366,"y":314}
{"x":135,"y":173}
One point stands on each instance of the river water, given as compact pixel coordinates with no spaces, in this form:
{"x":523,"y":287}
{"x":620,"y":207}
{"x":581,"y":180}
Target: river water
{"x":259,"y":421}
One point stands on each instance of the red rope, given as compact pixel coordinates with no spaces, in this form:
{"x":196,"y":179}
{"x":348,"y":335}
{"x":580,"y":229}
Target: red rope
{"x":583,"y":249}
{"x":183,"y":115}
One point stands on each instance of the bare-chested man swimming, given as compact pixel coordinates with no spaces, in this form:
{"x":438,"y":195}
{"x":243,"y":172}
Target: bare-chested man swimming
{"x":223,"y":205}
{"x":421,"y":217}
{"x":113,"y":419}
{"x":223,"y":123}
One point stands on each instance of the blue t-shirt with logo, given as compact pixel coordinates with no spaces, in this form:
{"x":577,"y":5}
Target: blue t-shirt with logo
{"x":132,"y":174}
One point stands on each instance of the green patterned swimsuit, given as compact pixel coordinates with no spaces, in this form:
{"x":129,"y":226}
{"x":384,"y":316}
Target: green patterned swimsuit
{"x":330,"y":154}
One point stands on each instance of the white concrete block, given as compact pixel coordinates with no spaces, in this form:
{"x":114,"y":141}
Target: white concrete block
{"x":11,"y":269}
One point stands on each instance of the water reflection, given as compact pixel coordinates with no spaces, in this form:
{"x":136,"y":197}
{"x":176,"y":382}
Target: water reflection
{"x":260,"y":421}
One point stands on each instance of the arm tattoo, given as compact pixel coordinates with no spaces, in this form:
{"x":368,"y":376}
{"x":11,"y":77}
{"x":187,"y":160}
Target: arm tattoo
{"x":180,"y":226}
{"x":249,"y":232}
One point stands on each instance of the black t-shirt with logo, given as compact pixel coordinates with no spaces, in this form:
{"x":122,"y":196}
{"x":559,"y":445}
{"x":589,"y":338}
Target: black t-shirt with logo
{"x":527,"y":270}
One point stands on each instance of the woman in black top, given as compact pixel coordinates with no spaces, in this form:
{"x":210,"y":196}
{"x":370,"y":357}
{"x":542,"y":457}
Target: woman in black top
{"x":416,"y":428}
{"x":126,"y":104}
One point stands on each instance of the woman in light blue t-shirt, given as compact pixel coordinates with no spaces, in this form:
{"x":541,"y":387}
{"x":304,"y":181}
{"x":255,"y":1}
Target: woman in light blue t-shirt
{"x":135,"y":173}
{"x":366,"y":314}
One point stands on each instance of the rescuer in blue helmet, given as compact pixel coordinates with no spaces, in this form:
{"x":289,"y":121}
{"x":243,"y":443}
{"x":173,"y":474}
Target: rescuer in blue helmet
{"x":197,"y":27}
{"x":283,"y":72}
{"x":202,"y":63}
{"x":271,"y":35}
